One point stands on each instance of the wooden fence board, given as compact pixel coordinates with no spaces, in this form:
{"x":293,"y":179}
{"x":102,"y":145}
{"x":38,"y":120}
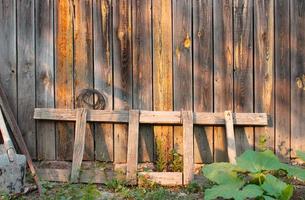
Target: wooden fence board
{"x":8,"y":55}
{"x":83,"y":61}
{"x":102,"y":21}
{"x":182,"y":62}
{"x":45,"y":77}
{"x":243,"y":70}
{"x":133,"y":145}
{"x":122,"y":71}
{"x":26,"y":72}
{"x":64,"y":92}
{"x":223,"y":70}
{"x":203,"y":76}
{"x":282,"y":80}
{"x":297,"y":76}
{"x":79,"y":143}
{"x":230,"y":136}
{"x":263,"y":70}
{"x":162,"y":73}
{"x":142,"y":71}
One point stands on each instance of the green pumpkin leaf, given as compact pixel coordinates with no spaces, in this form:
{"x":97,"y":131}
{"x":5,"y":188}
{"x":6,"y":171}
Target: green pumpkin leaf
{"x":277,"y":188}
{"x":301,"y":155}
{"x":268,"y":197}
{"x":232,"y":192}
{"x":256,"y":162}
{"x":293,"y":171}
{"x":223,"y":173}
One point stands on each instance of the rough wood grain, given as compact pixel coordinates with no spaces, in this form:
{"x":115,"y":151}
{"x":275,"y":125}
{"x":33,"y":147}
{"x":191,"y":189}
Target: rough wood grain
{"x":102,"y":21}
{"x":142,"y":71}
{"x":162,"y":72}
{"x":223,"y":70}
{"x":263,"y":70}
{"x":162,"y":178}
{"x":203,"y":77}
{"x":297,"y":76}
{"x":122,"y":71}
{"x":188,"y":147}
{"x":243,"y":70}
{"x":282,"y":80}
{"x":64,"y":92}
{"x":133,"y":145}
{"x":79,"y":143}
{"x":45,"y":77}
{"x":83,"y":61}
{"x":26,"y":72}
{"x":8,"y":54}
{"x":230,"y":137}
{"x":151,"y":117}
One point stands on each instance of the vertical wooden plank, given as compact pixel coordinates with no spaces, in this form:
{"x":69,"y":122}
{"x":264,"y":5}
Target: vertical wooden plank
{"x":230,"y":137}
{"x":26,"y":72}
{"x":223,"y":70}
{"x":297,"y":76}
{"x":102,"y":21}
{"x":8,"y":56}
{"x":64,"y":75}
{"x":122,"y":72}
{"x":203,"y":76}
{"x":83,"y":61}
{"x":162,"y":72}
{"x":133,"y":145}
{"x":263,"y":70}
{"x":243,"y":70}
{"x":142,"y":71}
{"x":182,"y":60}
{"x":188,"y":146}
{"x":282,"y":80}
{"x":79,"y":143}
{"x":45,"y":78}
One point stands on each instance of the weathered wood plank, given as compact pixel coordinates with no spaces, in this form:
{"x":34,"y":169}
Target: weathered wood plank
{"x":26,"y":72}
{"x":133,"y":145}
{"x":8,"y":54}
{"x":64,"y":92}
{"x":83,"y":61}
{"x":45,"y":78}
{"x":203,"y":77}
{"x":142,"y":71}
{"x":243,"y":70}
{"x":188,"y":147}
{"x":263,"y":70}
{"x":223,"y":70}
{"x":102,"y":21}
{"x":151,"y":117}
{"x":122,"y":71}
{"x":162,"y":178}
{"x":182,"y":62}
{"x":162,"y":72}
{"x":230,"y":137}
{"x":297,"y":76}
{"x":79,"y":143}
{"x":282,"y":79}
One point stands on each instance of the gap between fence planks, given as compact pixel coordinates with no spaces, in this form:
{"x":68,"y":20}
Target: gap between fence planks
{"x":79,"y":143}
{"x":132,"y":150}
{"x":230,"y":137}
{"x":151,"y":117}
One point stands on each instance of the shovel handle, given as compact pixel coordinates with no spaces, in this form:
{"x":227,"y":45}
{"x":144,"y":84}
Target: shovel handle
{"x":8,"y":144}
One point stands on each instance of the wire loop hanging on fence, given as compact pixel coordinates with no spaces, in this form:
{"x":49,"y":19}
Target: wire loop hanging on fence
{"x":87,"y":96}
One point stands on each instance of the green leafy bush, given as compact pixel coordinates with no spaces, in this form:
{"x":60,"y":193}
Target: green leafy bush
{"x":253,"y":176}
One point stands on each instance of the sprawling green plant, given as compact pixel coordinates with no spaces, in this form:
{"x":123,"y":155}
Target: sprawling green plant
{"x":255,"y":175}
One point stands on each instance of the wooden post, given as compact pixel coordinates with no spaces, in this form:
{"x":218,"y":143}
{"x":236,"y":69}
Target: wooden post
{"x":230,"y":137}
{"x":188,"y":148}
{"x":133,"y":143}
{"x":79,"y":143}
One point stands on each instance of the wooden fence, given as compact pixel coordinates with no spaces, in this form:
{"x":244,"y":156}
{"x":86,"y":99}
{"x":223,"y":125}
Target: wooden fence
{"x":200,"y":55}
